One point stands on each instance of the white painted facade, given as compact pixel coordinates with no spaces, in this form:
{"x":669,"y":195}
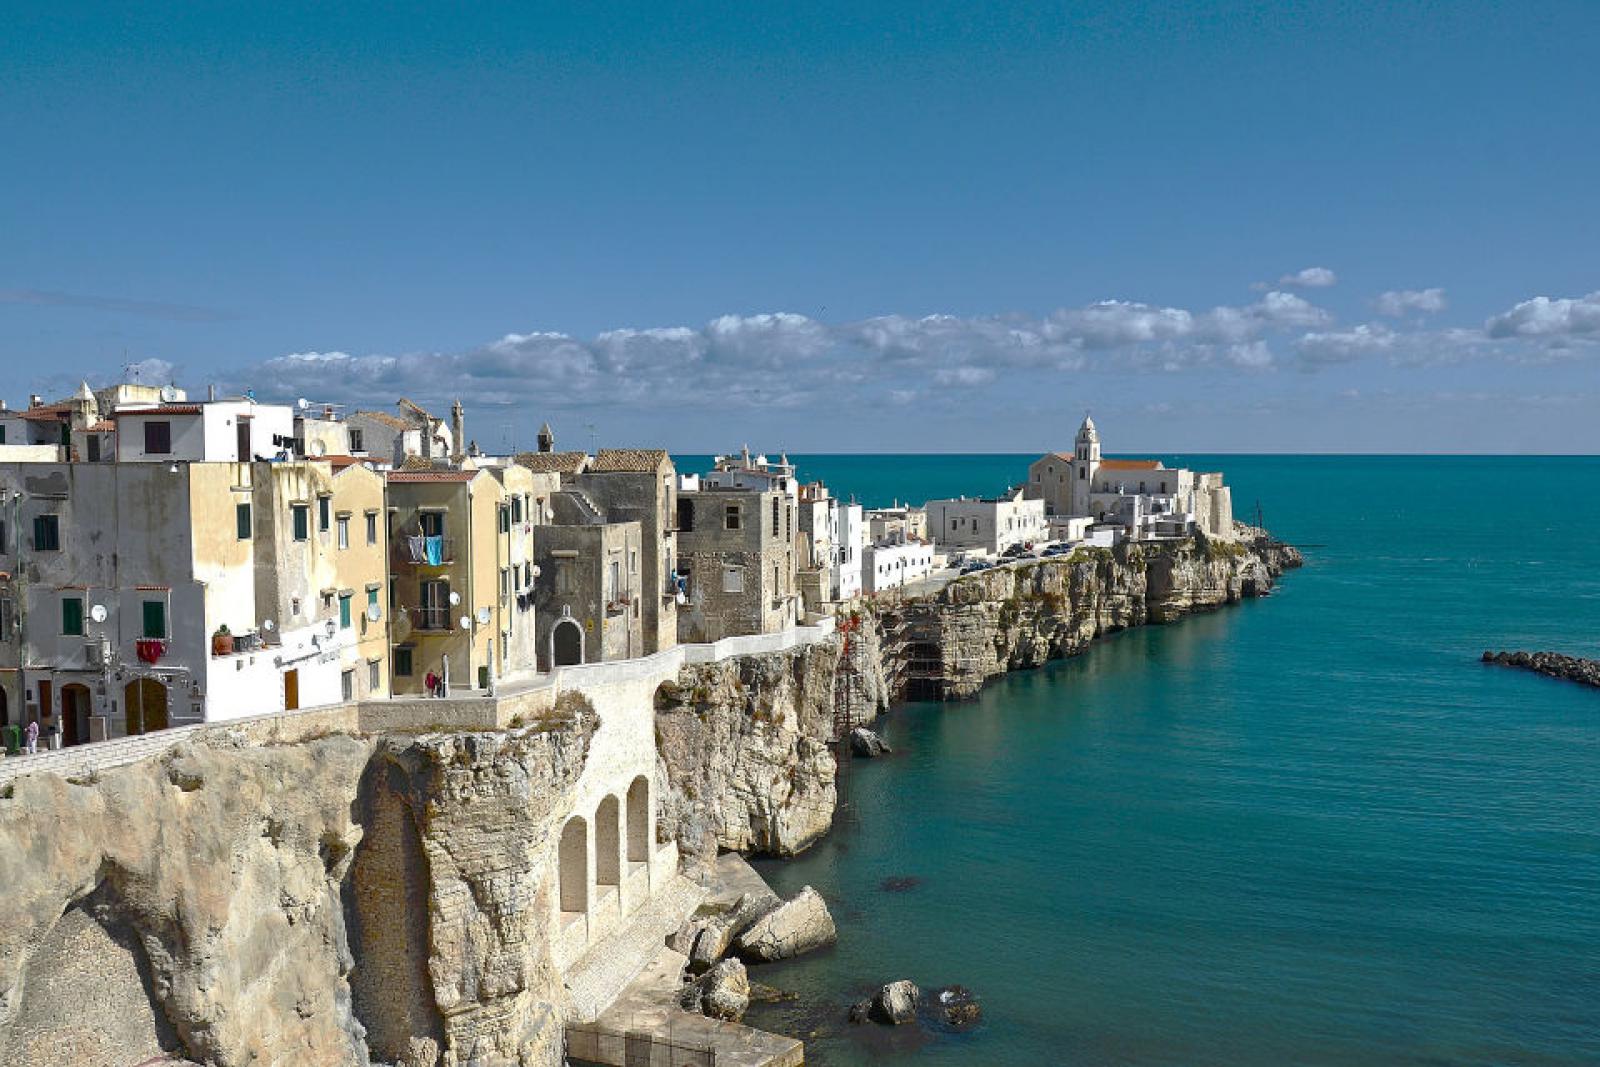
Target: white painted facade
{"x":892,"y":565}
{"x":218,"y":431}
{"x":988,"y":524}
{"x":852,"y":527}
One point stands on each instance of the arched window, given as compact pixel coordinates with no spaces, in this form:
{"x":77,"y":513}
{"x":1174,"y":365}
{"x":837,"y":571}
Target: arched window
{"x":608,"y":842}
{"x":640,"y":832}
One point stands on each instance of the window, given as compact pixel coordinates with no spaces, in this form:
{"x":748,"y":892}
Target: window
{"x":8,"y":614}
{"x":633,"y":562}
{"x":72,"y":616}
{"x":432,"y":523}
{"x":402,"y":662}
{"x":615,"y":592}
{"x":155,"y":618}
{"x":505,"y":583}
{"x":302,"y":521}
{"x":505,"y":518}
{"x":435,"y":614}
{"x":344,"y":531}
{"x":685,"y":515}
{"x":564,"y":577}
{"x":372,"y":604}
{"x":2,"y":435}
{"x":241,"y":521}
{"x":1081,"y":471}
{"x":344,"y":613}
{"x":94,"y":448}
{"x":324,"y":511}
{"x":516,"y":509}
{"x":730,"y":519}
{"x":774,"y":516}
{"x":347,"y":685}
{"x":372,"y":527}
{"x":47,"y":533}
{"x":374,"y":675}
{"x":356,"y":443}
{"x":733,"y":579}
{"x":157,"y":437}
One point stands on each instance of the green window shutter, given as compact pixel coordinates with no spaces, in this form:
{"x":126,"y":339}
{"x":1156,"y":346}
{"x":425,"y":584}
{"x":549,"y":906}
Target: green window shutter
{"x":372,"y":598}
{"x":242,"y":520}
{"x":344,"y":610}
{"x":155,"y":618}
{"x":301,"y":523}
{"x":72,"y":616}
{"x":402,"y":662}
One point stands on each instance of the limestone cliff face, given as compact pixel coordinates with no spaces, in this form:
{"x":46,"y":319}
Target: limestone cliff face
{"x":1010,"y":618}
{"x":744,"y":759}
{"x":338,"y":901}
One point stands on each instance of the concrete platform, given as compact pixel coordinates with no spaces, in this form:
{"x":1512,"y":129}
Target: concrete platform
{"x":606,"y":969}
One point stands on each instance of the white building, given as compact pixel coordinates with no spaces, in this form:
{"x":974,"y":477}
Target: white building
{"x":987,"y":524}
{"x":852,"y":533}
{"x":231,"y":431}
{"x":894,"y":564}
{"x":1144,"y":496}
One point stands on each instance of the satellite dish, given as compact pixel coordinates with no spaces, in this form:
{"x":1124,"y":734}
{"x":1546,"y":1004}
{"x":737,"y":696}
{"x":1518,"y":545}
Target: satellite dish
{"x":483,"y":616}
{"x":319,"y":448}
{"x":466,"y":622}
{"x":536,"y":570}
{"x":332,"y":627}
{"x":455,"y":598}
{"x":267,"y":625}
{"x":302,"y":403}
{"x":374,"y":613}
{"x":98,"y":613}
{"x":169,"y":394}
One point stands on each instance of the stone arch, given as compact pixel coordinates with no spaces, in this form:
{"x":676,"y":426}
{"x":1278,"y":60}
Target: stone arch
{"x":566,"y":642}
{"x":144,"y":706}
{"x":608,"y":842}
{"x":640,"y":831}
{"x":76,"y":705}
{"x":574,"y":863}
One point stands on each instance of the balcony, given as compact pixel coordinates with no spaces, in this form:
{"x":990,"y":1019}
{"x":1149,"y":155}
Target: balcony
{"x":420,"y":551}
{"x":431,"y":619}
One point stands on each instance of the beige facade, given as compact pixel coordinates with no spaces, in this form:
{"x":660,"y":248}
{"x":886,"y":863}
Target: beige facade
{"x":462,"y":561}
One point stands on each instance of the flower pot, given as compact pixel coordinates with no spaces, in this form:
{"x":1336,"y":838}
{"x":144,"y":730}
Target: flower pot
{"x":222,"y":644}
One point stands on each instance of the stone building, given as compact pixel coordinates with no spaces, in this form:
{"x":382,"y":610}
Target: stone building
{"x":411,"y":432}
{"x":736,"y":552}
{"x":589,"y":591}
{"x":1143,"y":496}
{"x":640,"y":485}
{"x":987,"y":524}
{"x":119,"y":579}
{"x":462,"y":557}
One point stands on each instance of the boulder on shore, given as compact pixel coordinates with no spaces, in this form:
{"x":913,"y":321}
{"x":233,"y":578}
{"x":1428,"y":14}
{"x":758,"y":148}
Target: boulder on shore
{"x":894,"y":1005}
{"x":723,"y":992}
{"x":866,"y":743}
{"x":794,"y":927}
{"x":958,"y":1007}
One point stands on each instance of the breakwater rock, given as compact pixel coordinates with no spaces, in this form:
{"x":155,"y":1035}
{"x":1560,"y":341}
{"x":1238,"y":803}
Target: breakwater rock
{"x":1553,"y":664}
{"x":1010,"y":618}
{"x":342,"y":900}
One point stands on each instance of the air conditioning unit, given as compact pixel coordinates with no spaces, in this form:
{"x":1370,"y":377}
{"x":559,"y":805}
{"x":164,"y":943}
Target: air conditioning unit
{"x":98,"y":653}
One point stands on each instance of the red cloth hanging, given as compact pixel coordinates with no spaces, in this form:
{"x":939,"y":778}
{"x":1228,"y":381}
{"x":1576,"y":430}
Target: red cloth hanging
{"x":150,"y":649}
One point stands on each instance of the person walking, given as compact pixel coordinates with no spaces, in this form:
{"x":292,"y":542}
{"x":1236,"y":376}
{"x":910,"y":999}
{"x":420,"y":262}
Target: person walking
{"x":432,"y":684}
{"x":32,"y":736}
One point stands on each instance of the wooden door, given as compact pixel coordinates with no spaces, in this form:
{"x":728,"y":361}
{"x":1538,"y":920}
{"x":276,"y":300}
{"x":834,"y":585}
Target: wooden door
{"x":291,"y":690}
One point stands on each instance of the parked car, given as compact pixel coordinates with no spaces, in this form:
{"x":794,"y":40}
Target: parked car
{"x":1016,"y":551}
{"x":974,"y":566}
{"x":1062,"y":549}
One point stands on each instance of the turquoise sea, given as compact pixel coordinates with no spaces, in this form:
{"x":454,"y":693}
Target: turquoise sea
{"x":1310,"y":829}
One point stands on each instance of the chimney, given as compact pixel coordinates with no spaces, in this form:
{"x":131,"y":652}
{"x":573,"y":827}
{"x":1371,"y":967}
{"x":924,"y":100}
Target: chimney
{"x":458,"y":430}
{"x":35,"y":400}
{"x":211,"y":392}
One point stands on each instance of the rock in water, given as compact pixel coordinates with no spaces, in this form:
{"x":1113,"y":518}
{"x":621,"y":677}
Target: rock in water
{"x":721,"y":993}
{"x":896,"y":1003}
{"x":795,"y":927}
{"x":958,"y":1007}
{"x":863,"y":742}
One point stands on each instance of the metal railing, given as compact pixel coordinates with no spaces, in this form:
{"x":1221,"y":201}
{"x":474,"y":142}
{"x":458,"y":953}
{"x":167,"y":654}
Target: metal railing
{"x":424,"y":551}
{"x":430,"y":618}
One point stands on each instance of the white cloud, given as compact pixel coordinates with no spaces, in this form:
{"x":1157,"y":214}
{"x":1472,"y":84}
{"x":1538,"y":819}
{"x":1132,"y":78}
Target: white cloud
{"x":1345,"y":346}
{"x":1550,"y":320}
{"x":1398,"y":303}
{"x":1309,"y":278}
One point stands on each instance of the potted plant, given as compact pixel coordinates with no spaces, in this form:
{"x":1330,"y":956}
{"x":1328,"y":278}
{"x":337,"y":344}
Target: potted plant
{"x":222,"y":641}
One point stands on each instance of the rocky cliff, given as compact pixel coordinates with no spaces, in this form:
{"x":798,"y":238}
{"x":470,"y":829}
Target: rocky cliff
{"x":338,"y":901}
{"x":743,"y":750}
{"x":1014,"y":617}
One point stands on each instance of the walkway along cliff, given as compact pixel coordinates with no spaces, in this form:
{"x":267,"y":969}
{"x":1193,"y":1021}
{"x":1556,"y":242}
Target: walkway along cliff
{"x":449,"y":882}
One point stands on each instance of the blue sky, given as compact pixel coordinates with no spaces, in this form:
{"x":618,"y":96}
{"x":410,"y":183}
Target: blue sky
{"x":849,"y":227}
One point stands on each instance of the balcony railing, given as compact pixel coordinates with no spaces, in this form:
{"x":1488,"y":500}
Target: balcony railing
{"x":430,"y":618}
{"x":421,"y":551}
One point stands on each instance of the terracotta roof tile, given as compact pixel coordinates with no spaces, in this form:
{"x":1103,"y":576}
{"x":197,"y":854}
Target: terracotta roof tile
{"x":1130,"y":464}
{"x":103,"y":426}
{"x":163,"y":409}
{"x":413,"y":477}
{"x":394,"y":422}
{"x":47,"y":412}
{"x":629,"y":459}
{"x":553,"y":462}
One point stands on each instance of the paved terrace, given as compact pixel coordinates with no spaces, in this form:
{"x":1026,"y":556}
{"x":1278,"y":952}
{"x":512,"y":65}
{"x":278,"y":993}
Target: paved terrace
{"x":517,"y":699}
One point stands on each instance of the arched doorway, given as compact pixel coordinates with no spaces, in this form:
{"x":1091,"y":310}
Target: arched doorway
{"x":574,"y":862}
{"x":608,"y":842}
{"x":144,"y":706}
{"x":639,"y":829}
{"x":566,"y":643}
{"x":75,"y":707}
